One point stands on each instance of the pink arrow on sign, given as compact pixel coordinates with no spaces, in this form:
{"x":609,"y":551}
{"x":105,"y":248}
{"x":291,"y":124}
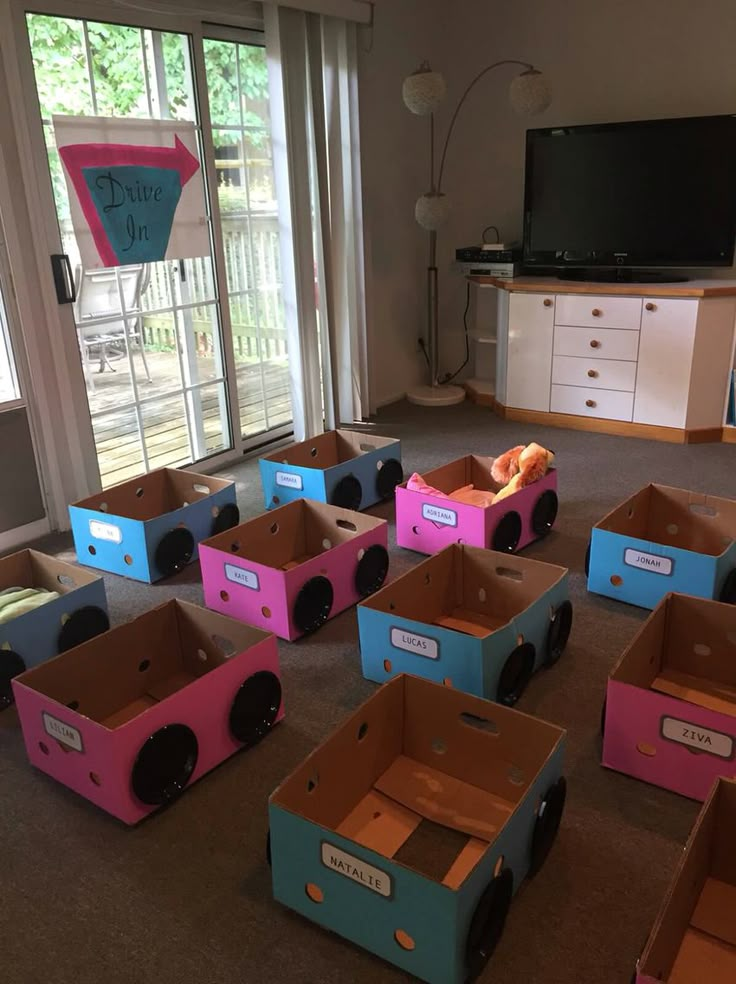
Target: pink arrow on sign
{"x":76,"y":157}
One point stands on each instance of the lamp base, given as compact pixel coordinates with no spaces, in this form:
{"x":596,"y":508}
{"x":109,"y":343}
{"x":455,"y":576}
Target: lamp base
{"x":436,"y":396}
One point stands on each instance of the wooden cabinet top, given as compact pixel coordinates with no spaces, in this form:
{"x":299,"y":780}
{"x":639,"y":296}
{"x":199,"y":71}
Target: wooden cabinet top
{"x":551,"y":285}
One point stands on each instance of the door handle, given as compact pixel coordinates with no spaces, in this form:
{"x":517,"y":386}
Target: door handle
{"x":66,"y":292}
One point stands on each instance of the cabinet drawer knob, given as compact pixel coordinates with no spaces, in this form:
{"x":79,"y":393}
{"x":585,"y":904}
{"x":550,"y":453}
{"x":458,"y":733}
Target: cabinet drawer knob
{"x":594,"y":343}
{"x":547,"y":302}
{"x":650,"y":306}
{"x":596,"y":312}
{"x":592,"y":373}
{"x":590,"y":403}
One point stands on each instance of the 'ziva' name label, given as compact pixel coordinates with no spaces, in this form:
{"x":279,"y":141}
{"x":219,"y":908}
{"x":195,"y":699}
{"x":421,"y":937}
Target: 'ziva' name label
{"x":436,"y":514}
{"x":105,"y":531}
{"x":648,"y":562}
{"x":64,"y":733}
{"x":692,"y":735}
{"x":356,"y":870}
{"x":289,"y":481}
{"x":413,"y":643}
{"x":248,"y":579}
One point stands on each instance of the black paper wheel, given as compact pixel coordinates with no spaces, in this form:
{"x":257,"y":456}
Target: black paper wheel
{"x":371,"y":570}
{"x":226,"y":518}
{"x":516,"y":674}
{"x":547,"y":824}
{"x":174,"y":551}
{"x":507,"y":534}
{"x":558,"y":633}
{"x":390,"y":474}
{"x":165,"y":764}
{"x":83,"y":624}
{"x":313,"y":604}
{"x":347,"y":494}
{"x":255,"y":708}
{"x":487,"y":924}
{"x":587,"y":559}
{"x":728,"y":591}
{"x":11,"y":664}
{"x":544,"y":513}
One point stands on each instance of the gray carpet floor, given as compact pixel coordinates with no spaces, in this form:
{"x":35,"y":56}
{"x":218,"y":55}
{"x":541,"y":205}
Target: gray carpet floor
{"x":184,"y":898}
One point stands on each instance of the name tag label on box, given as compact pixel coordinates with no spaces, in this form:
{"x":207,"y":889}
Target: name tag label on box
{"x":648,"y":562}
{"x":289,"y":481}
{"x":105,"y":531}
{"x":356,"y":870}
{"x":248,"y":579}
{"x":412,"y":643}
{"x":438,"y":514}
{"x":62,"y":732}
{"x":694,"y":736}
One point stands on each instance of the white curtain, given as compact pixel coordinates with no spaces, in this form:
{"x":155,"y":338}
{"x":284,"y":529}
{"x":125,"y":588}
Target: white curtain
{"x":314,"y":108}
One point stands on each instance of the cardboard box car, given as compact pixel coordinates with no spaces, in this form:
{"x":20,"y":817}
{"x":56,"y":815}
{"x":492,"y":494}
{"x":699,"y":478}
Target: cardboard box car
{"x":345,"y":468}
{"x":427,"y":523}
{"x":78,"y":614}
{"x":470,"y":618}
{"x":130,"y":719}
{"x":663,"y":540}
{"x":693,"y":940}
{"x":670,"y":710}
{"x":410,"y":828}
{"x":149,"y":528}
{"x":290,"y":570}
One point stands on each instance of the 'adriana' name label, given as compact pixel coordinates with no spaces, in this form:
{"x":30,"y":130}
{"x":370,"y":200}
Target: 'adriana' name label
{"x":288,"y":480}
{"x":63,"y":732}
{"x":439,"y":514}
{"x":412,"y":643}
{"x":692,"y":735}
{"x":648,"y":562}
{"x":248,"y":579}
{"x":356,"y":870}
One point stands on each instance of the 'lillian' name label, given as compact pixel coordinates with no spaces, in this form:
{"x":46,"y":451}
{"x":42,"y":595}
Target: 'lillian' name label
{"x":105,"y":531}
{"x":418,"y":644}
{"x":248,"y":579}
{"x":648,"y":562}
{"x":356,"y":870}
{"x":692,"y":735}
{"x":64,"y":733}
{"x":288,"y":481}
{"x":438,"y":514}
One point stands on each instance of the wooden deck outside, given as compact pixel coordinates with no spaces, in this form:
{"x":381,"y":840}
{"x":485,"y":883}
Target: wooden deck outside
{"x":164,"y":420}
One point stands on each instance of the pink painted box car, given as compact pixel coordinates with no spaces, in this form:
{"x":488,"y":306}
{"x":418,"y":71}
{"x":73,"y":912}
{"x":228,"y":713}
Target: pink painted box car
{"x":428,"y":523}
{"x":291,"y":569}
{"x":131,"y":718}
{"x":694,"y":937}
{"x":670,"y":711}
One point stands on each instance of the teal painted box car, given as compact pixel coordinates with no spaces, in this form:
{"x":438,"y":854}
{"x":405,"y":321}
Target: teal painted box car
{"x":409,"y":830}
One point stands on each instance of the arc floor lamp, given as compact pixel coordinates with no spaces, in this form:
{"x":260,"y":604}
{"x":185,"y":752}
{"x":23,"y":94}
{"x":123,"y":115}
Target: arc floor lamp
{"x":423,"y":92}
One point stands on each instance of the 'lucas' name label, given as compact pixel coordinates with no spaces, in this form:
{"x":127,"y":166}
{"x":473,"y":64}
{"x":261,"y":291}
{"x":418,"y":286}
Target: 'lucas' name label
{"x":356,"y":870}
{"x":418,"y":644}
{"x":437,"y":514}
{"x":692,"y":735}
{"x":648,"y":562}
{"x":289,"y":481}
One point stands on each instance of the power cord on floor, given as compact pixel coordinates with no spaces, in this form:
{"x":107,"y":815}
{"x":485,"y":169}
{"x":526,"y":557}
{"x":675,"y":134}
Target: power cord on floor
{"x":448,"y":377}
{"x":423,"y":347}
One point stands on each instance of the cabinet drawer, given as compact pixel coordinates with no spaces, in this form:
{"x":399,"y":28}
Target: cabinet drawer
{"x":596,"y":343}
{"x":588,"y":309}
{"x":588,"y":402}
{"x":598,"y":373}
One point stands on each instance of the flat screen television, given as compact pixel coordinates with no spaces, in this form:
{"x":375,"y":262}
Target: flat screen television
{"x":604,"y":201}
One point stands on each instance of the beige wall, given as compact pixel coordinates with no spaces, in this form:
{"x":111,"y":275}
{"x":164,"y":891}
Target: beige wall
{"x":626,"y":59}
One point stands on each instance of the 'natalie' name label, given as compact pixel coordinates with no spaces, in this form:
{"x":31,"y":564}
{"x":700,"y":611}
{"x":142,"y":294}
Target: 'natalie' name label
{"x":105,"y":531}
{"x":356,"y":870}
{"x":648,"y":562}
{"x":418,"y":644}
{"x":64,"y":733}
{"x":248,"y":579}
{"x":438,"y":514}
{"x":692,"y":735}
{"x":289,"y":481}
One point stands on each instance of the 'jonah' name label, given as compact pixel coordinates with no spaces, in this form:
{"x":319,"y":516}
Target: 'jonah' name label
{"x":648,"y":562}
{"x":692,"y":735}
{"x":105,"y":531}
{"x":356,"y":870}
{"x":62,"y":732}
{"x":413,"y":643}
{"x":248,"y":579}
{"x":289,"y":481}
{"x":436,"y":514}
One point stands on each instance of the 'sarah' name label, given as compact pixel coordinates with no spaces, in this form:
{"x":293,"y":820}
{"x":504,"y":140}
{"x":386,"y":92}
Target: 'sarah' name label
{"x":418,"y":644}
{"x":356,"y":870}
{"x":289,"y":481}
{"x":648,"y":562}
{"x":105,"y":531}
{"x":63,"y":732}
{"x":692,"y":735}
{"x":438,"y":514}
{"x":248,"y":579}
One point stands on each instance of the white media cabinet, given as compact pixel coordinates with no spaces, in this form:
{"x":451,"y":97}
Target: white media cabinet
{"x":639,"y":359}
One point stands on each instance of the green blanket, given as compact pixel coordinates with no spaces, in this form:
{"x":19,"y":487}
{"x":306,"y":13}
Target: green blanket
{"x":18,"y":601}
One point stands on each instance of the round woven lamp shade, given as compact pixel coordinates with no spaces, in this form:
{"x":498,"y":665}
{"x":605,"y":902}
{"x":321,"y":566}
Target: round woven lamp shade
{"x":529,"y":93}
{"x":432,"y":211}
{"x":423,"y":91}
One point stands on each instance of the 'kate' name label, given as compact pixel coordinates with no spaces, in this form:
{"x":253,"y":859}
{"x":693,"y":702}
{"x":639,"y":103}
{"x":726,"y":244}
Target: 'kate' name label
{"x":356,"y":870}
{"x":248,"y":579}
{"x":418,"y":644}
{"x":105,"y":531}
{"x":648,"y":562}
{"x":289,"y":481}
{"x":438,"y":514}
{"x":692,"y":735}
{"x":64,"y":733}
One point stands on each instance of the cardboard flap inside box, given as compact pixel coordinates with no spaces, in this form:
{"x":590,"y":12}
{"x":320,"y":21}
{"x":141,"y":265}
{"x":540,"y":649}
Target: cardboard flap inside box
{"x":155,"y":494}
{"x":31,"y":569}
{"x":329,"y":449}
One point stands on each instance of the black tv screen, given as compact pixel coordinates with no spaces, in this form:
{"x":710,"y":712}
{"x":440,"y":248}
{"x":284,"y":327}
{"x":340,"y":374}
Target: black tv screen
{"x":651,"y":193}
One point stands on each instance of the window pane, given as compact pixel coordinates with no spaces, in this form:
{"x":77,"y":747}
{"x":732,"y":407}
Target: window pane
{"x":8,"y":381}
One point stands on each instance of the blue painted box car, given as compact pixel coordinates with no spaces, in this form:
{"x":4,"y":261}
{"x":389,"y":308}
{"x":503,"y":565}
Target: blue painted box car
{"x":473,"y":619}
{"x":409,"y":829}
{"x":78,"y":614}
{"x":343,"y":468}
{"x":150,"y":527}
{"x":664,"y":540}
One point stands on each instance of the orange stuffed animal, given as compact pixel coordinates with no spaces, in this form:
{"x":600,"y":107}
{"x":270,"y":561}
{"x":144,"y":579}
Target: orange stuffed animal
{"x":519,"y":467}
